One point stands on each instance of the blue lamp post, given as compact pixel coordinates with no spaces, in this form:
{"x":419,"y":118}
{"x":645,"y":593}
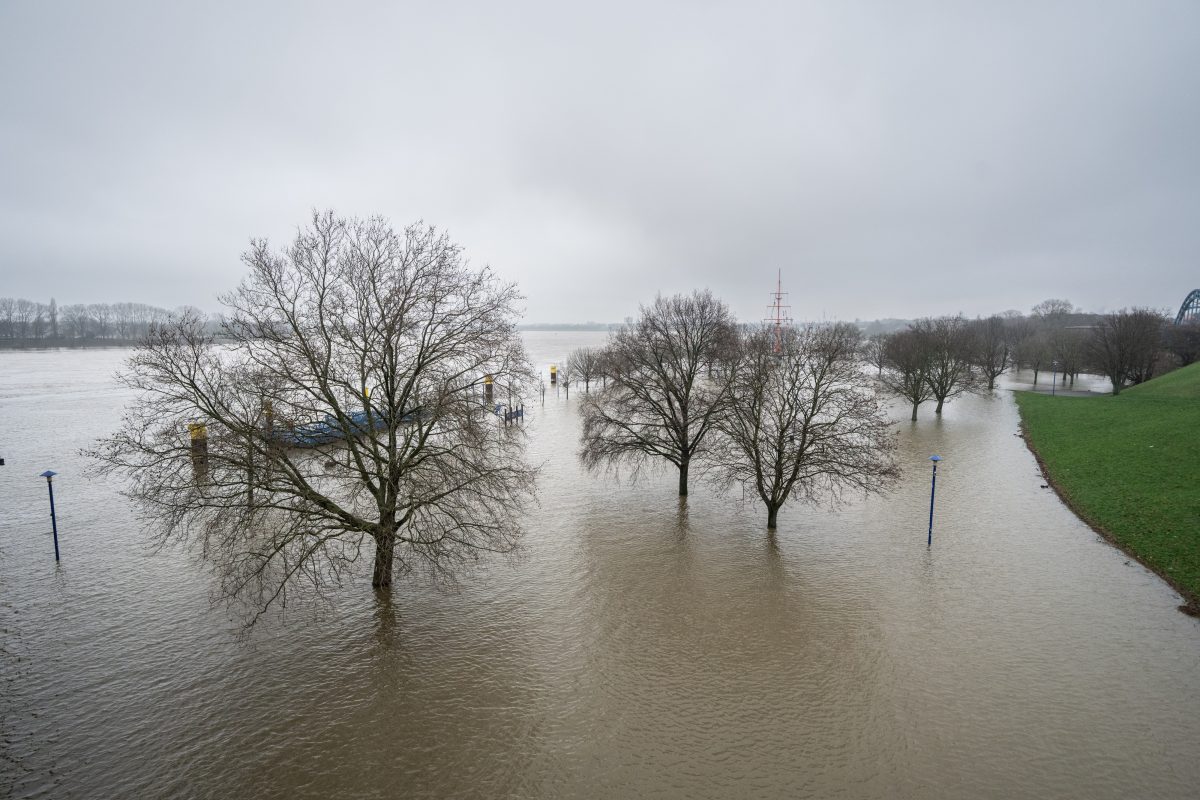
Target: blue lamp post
{"x":932,"y":490}
{"x":49,"y":475}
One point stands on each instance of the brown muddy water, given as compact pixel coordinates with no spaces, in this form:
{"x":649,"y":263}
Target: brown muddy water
{"x":638,"y":648}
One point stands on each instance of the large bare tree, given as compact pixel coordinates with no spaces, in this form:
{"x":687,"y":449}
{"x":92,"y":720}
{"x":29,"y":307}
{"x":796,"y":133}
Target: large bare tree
{"x":660,"y":401}
{"x":804,"y":422}
{"x":344,"y":412}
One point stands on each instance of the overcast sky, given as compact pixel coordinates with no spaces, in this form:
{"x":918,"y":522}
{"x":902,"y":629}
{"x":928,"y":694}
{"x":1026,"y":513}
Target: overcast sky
{"x":892,"y":159}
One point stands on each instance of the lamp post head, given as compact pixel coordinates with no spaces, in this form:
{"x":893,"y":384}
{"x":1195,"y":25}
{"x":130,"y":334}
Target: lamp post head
{"x":935,"y":459}
{"x":48,"y":474}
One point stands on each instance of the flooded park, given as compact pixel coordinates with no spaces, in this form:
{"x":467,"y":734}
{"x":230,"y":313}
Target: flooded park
{"x":638,"y":646}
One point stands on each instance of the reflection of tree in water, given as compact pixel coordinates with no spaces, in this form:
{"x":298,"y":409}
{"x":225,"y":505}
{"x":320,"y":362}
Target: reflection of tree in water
{"x":387,"y":624}
{"x":681,"y":516}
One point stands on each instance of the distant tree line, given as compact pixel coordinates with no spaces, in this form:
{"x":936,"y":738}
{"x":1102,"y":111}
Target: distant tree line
{"x":937,"y":359}
{"x":28,"y":320}
{"x":791,"y":412}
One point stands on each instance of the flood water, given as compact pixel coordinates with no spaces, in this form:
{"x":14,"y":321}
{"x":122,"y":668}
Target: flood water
{"x":637,"y":648}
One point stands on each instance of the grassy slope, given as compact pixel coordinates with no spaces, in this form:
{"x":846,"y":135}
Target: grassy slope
{"x":1130,"y":466}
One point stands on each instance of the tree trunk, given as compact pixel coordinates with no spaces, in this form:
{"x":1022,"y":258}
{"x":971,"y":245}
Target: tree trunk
{"x":914,"y":414}
{"x":938,"y":410}
{"x":683,"y":473}
{"x":385,"y":550}
{"x":772,"y":515}
{"x":991,"y":382}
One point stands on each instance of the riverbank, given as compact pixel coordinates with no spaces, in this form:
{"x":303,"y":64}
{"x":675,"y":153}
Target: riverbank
{"x":1129,"y":466}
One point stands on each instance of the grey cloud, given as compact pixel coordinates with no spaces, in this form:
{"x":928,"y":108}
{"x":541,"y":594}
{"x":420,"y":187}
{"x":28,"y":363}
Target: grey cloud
{"x":892,"y":161}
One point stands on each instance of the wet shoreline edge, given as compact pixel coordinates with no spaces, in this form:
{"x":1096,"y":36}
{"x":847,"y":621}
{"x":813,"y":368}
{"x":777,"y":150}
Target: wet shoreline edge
{"x":1191,"y":602}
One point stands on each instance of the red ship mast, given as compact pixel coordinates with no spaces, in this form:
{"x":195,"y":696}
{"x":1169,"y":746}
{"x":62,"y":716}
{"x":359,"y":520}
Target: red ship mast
{"x":777,"y":318}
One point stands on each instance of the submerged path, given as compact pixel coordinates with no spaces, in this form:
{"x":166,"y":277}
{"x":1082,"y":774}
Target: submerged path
{"x":1130,"y":467}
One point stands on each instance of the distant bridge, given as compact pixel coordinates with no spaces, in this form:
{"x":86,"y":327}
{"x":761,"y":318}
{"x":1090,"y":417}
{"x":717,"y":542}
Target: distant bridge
{"x":1190,"y":310}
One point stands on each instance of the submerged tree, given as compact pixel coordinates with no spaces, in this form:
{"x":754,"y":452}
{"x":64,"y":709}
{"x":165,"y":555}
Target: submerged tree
{"x":565,"y":377}
{"x":804,"y":423}
{"x":585,"y":365}
{"x":949,"y":373}
{"x":990,"y":347}
{"x":906,"y":367}
{"x":343,"y":410}
{"x":1068,"y":348}
{"x":874,"y":352}
{"x":660,"y":401}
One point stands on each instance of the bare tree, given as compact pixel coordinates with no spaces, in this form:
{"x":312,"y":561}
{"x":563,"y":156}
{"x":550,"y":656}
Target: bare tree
{"x":52,"y":317}
{"x":1183,"y":341}
{"x":1148,"y":351}
{"x":949,"y":373}
{"x":101,"y":316}
{"x":1122,"y":345}
{"x":124,"y":317}
{"x":1067,"y":349}
{"x":804,"y":423}
{"x":23,"y":316}
{"x":990,"y":347}
{"x":565,"y":376}
{"x":659,"y":402}
{"x":584,"y":364}
{"x":907,"y":365}
{"x":874,"y":352}
{"x":8,"y":311}
{"x":1056,"y":344}
{"x":342,"y":411}
{"x":75,"y":318}
{"x":39,"y":323}
{"x":1053,"y":307}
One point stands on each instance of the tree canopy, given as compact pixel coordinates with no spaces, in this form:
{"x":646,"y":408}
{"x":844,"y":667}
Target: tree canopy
{"x":342,"y":410}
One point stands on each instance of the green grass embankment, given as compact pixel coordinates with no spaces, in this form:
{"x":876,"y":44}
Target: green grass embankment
{"x":1129,"y":466}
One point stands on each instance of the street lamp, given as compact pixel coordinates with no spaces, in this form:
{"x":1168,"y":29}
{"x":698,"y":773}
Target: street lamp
{"x":49,"y":475}
{"x":932,"y":490}
{"x":1053,"y":376}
